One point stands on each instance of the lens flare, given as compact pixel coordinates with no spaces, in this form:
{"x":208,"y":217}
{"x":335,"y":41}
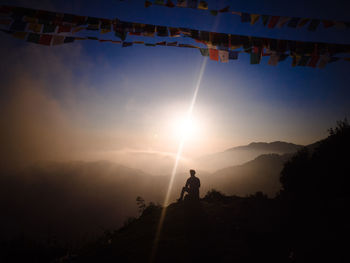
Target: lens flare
{"x":178,"y":156}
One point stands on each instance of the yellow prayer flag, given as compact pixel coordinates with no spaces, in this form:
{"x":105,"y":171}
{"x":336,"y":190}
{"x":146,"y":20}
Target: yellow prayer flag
{"x":77,"y":29}
{"x":35,"y":27}
{"x":105,"y":31}
{"x":203,"y":5}
{"x":303,"y":22}
{"x":29,"y":19}
{"x":254,"y":18}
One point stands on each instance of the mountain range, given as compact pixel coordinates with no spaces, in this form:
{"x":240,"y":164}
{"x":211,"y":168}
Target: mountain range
{"x":75,"y":198}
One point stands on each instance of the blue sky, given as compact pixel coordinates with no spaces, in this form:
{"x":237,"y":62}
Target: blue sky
{"x":112,"y":98}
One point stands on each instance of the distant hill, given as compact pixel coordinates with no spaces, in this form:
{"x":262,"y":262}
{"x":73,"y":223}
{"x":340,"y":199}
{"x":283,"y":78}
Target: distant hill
{"x":260,"y":174}
{"x":242,"y":154}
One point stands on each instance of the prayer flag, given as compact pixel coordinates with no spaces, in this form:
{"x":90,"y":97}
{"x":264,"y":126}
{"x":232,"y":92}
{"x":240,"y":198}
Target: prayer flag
{"x":181,"y":3}
{"x":245,"y":18}
{"x":225,"y":9}
{"x":49,"y":28}
{"x":192,"y":3}
{"x":255,"y":55}
{"x":68,"y":18}
{"x":5,"y":22}
{"x":295,"y":60}
{"x":159,"y":2}
{"x":204,"y":52}
{"x":274,"y":58}
{"x":324,"y":59}
{"x":172,"y":44}
{"x":33,"y":37}
{"x":148,"y":3}
{"x":303,"y":61}
{"x":127,"y":44}
{"x":187,"y":45}
{"x":174,"y":32}
{"x":233,"y":55}
{"x":313,"y":61}
{"x":149,"y":30}
{"x":45,"y":39}
{"x":64,"y":28}
{"x":79,"y":20}
{"x":303,"y":22}
{"x":327,"y":23}
{"x":254,"y":18}
{"x":57,"y":40}
{"x":203,"y":5}
{"x":313,"y":24}
{"x":121,"y":34}
{"x":282,"y":57}
{"x":20,"y":35}
{"x":93,"y":20}
{"x":35,"y":27}
{"x":339,"y":25}
{"x":265,"y":19}
{"x":69,"y":39}
{"x":18,"y":25}
{"x":283,"y":20}
{"x":223,"y":54}
{"x":170,"y":4}
{"x":236,"y":13}
{"x":214,"y":12}
{"x":162,"y":31}
{"x":93,"y":27}
{"x":105,"y":28}
{"x":293,"y":22}
{"x":186,"y":32}
{"x":273,"y":21}
{"x":213,"y":54}
{"x":30,"y":19}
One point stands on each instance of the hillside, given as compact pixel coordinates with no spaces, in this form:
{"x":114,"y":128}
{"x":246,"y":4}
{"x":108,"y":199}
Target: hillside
{"x":260,"y":174}
{"x":217,"y":229}
{"x":242,"y":154}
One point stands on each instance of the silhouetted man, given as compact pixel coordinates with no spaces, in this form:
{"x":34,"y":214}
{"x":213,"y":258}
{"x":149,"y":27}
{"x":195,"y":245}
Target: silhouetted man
{"x":192,"y":187}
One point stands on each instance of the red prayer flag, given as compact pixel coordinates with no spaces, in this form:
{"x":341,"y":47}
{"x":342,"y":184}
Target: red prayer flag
{"x":45,"y":39}
{"x":63,"y":28}
{"x":214,"y":54}
{"x":273,"y":21}
{"x":313,"y":61}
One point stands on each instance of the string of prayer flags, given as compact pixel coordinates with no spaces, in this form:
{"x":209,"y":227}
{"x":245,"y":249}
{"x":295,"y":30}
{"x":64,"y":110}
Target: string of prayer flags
{"x":44,"y":27}
{"x":270,"y":20}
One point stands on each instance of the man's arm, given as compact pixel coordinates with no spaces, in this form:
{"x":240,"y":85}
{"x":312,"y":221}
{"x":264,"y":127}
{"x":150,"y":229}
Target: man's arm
{"x":187,"y":182}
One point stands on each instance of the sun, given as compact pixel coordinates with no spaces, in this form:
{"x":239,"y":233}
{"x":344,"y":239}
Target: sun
{"x":185,"y":127}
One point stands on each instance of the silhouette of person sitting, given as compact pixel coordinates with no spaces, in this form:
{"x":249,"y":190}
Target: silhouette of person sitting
{"x":192,"y":188}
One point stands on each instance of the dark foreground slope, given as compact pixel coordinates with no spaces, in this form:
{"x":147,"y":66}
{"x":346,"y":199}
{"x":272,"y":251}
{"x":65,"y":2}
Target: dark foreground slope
{"x":216,"y":229}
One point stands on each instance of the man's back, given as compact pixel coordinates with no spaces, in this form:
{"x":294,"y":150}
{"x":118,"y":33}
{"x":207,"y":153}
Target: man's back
{"x":193,"y":183}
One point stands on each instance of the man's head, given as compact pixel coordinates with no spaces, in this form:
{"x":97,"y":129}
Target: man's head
{"x":192,"y":172}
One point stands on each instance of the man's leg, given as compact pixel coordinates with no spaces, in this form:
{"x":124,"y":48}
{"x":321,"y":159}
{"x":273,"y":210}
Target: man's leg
{"x":184,"y":189}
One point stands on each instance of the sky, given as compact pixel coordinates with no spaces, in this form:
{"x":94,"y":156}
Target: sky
{"x":91,"y":100}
